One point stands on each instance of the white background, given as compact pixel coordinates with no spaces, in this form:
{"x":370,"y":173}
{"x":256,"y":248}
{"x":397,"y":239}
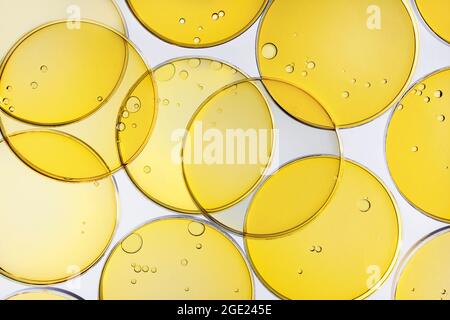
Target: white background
{"x":364,"y":144}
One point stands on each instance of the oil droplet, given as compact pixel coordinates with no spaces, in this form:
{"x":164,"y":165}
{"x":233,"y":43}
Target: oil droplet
{"x":199,"y":246}
{"x":427,"y":99}
{"x":345,"y":94}
{"x":5,"y":101}
{"x":215,"y":16}
{"x":196,"y":228}
{"x":384,"y":81}
{"x":8,"y":88}
{"x":133,"y":265}
{"x":194,"y":63}
{"x":444,"y":292}
{"x":121,"y":126}
{"x":368,"y":85}
{"x":364,"y":205}
{"x":215,"y":65}
{"x":400,"y":107}
{"x":133,"y":281}
{"x":44,"y":68}
{"x":166,"y":102}
{"x":197,"y":40}
{"x":300,"y":272}
{"x":221,"y":14}
{"x":182,"y":21}
{"x":133,"y":104}
{"x":134,"y":125}
{"x":236,"y":290}
{"x":147,"y":169}
{"x":132,"y":244}
{"x":200,"y":28}
{"x":125,"y":114}
{"x":186,"y":289}
{"x":137,"y":269}
{"x":441,"y":118}
{"x":34,"y":85}
{"x":99,"y":98}
{"x":154,"y":270}
{"x":145,"y":269}
{"x":11,"y":109}
{"x":269,"y":51}
{"x":421,"y":86}
{"x":166,"y":72}
{"x":353,"y":81}
{"x":310,"y":65}
{"x":200,"y":86}
{"x":290,"y":68}
{"x":184,"y":75}
{"x":419,"y":93}
{"x":415,"y":149}
{"x":184,"y":262}
{"x":304,"y":73}
{"x":438,"y":94}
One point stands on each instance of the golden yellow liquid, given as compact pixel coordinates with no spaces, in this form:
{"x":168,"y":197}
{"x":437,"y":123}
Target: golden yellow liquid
{"x":183,"y":85}
{"x":417,"y":146}
{"x":51,"y":231}
{"x":41,"y":295}
{"x":197,"y":24}
{"x":425,"y":276}
{"x":355,"y":57}
{"x":177,"y":259}
{"x":435,"y":14}
{"x":346,"y":252}
{"x":116,"y":114}
{"x":228,"y":146}
{"x":21,"y":16}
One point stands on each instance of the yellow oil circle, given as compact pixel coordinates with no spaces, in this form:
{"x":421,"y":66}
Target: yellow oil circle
{"x":177,"y":259}
{"x":21,"y":16}
{"x":229,"y":142}
{"x":197,"y":24}
{"x":231,"y":145}
{"x":67,"y":82}
{"x":42,"y":295}
{"x":51,"y":231}
{"x":355,"y":57}
{"x":346,"y":252}
{"x":115,"y":133}
{"x":183,"y":85}
{"x":424,"y":274}
{"x":435,"y":15}
{"x":417,"y":146}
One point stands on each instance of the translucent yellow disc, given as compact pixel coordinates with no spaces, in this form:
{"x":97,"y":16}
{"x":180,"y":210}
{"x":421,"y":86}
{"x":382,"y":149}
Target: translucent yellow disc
{"x":345,"y":253}
{"x":43,"y":294}
{"x":197,"y":24}
{"x":51,"y":231}
{"x":354,"y":56}
{"x":115,"y":133}
{"x":176,"y":259}
{"x":425,"y":274}
{"x":418,"y":148}
{"x":21,"y":16}
{"x":183,"y":85}
{"x":435,"y":14}
{"x":67,"y":82}
{"x":231,"y":144}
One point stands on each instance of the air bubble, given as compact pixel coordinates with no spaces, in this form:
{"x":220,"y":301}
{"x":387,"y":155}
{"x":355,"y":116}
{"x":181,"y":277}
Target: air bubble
{"x":132,"y":244}
{"x":184,"y":262}
{"x":269,"y":51}
{"x":290,"y":68}
{"x":364,"y":205}
{"x":133,"y":104}
{"x":304,"y":73}
{"x":44,"y":68}
{"x":184,"y":75}
{"x":427,"y":99}
{"x":197,"y":40}
{"x":5,"y":101}
{"x":182,"y":21}
{"x":194,"y":63}
{"x":438,"y":94}
{"x":134,"y":281}
{"x":421,"y":86}
{"x":368,"y":85}
{"x":145,"y":269}
{"x":345,"y":94}
{"x":121,"y":126}
{"x":215,"y":16}
{"x":11,"y":109}
{"x":415,"y":149}
{"x":199,"y":246}
{"x":196,"y":228}
{"x":147,"y":169}
{"x":216,"y":65}
{"x":154,"y":270}
{"x":34,"y":85}
{"x":441,"y":118}
{"x":310,"y":65}
{"x":99,"y":98}
{"x":221,"y":14}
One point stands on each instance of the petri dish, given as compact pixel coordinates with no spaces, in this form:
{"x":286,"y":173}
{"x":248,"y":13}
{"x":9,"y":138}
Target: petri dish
{"x":176,"y":258}
{"x":57,"y":233}
{"x":419,"y":159}
{"x":373,"y":56}
{"x":235,"y":141}
{"x":356,"y":237}
{"x":183,"y":84}
{"x":43,"y":294}
{"x":423,"y":274}
{"x":433,"y":13}
{"x":22,"y":16}
{"x":114,"y":132}
{"x":197,"y":24}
